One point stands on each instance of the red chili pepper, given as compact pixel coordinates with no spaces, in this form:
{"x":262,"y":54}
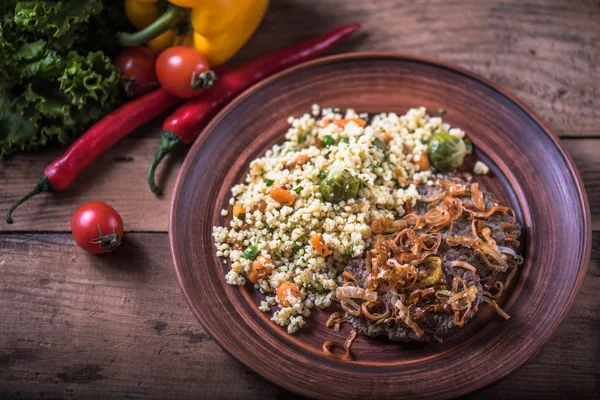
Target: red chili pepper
{"x":61,"y":172}
{"x":185,"y":124}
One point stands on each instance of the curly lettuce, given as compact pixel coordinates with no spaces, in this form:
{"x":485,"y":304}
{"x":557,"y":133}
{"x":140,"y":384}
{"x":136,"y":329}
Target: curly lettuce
{"x":56,"y":78}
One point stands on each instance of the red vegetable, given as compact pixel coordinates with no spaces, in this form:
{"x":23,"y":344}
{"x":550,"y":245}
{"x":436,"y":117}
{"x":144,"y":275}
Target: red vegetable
{"x":183,"y":126}
{"x":61,"y":172}
{"x":97,"y":227}
{"x":183,"y":71}
{"x":138,"y":75}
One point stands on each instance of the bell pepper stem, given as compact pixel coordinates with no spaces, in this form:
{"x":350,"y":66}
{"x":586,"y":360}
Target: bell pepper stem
{"x":172,"y":17}
{"x":168,"y":142}
{"x":204,"y":80}
{"x":43,"y":186}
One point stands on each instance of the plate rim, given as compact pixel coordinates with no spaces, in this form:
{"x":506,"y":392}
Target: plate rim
{"x":508,"y":94}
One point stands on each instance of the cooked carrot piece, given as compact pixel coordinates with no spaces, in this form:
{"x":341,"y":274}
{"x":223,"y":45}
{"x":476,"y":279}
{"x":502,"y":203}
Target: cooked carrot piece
{"x":260,"y":269}
{"x":238,"y":209}
{"x":282,"y":196}
{"x":343,"y":122}
{"x":285,"y":290}
{"x":319,"y":246}
{"x":301,"y":159}
{"x":423,"y":163}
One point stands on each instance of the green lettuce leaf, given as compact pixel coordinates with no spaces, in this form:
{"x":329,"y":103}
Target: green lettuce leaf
{"x":56,"y":78}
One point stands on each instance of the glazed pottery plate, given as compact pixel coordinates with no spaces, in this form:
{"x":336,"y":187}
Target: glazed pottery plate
{"x":529,"y":170}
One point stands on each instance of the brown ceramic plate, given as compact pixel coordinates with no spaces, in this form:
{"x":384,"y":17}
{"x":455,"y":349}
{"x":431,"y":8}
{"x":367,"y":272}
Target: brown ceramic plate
{"x":530,"y":170}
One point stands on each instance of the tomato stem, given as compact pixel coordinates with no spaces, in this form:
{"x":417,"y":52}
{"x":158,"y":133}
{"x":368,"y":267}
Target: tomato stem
{"x":107,"y":242}
{"x":203,"y":81}
{"x":43,"y":186}
{"x":169,"y":19}
{"x":168,"y":142}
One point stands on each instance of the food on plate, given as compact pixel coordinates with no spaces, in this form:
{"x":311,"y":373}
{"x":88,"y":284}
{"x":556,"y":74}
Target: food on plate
{"x":428,"y":272}
{"x":324,"y":196}
{"x":370,"y":211}
{"x":446,"y":152}
{"x":97,"y":227}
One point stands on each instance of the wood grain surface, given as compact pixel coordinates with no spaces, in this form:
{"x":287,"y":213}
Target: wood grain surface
{"x":526,"y":167}
{"x":52,"y":346}
{"x":78,"y":326}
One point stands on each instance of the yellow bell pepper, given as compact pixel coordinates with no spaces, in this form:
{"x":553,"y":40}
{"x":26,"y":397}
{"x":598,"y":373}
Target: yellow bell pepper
{"x":221,"y":27}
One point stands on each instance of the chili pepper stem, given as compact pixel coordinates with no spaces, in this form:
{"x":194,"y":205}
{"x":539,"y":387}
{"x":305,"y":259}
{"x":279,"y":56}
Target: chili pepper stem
{"x":203,"y":81}
{"x":169,"y":19}
{"x":43,"y":186}
{"x":168,"y":142}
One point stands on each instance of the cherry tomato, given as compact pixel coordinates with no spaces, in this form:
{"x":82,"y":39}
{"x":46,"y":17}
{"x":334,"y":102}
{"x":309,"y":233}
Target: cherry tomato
{"x":138,"y":74}
{"x":183,"y":71}
{"x":97,"y":227}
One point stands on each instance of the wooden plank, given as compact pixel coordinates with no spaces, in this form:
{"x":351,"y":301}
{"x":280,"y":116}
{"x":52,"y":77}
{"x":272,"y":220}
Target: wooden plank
{"x":76,"y":325}
{"x":119,"y":178}
{"x":586,"y":155}
{"x":117,"y":326}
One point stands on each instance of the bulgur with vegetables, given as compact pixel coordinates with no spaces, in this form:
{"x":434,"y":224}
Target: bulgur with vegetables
{"x":306,"y":206}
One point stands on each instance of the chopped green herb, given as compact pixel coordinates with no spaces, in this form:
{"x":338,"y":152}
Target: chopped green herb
{"x":298,"y":189}
{"x":322,"y":174}
{"x":251,"y":253}
{"x":351,"y":249}
{"x":327,"y":155}
{"x":289,"y":151}
{"x":242,"y":216}
{"x":345,"y":139}
{"x":301,"y":138}
{"x":296,"y":248}
{"x":423,"y":141}
{"x":328,"y":141}
{"x":442,"y":111}
{"x":268,"y":182}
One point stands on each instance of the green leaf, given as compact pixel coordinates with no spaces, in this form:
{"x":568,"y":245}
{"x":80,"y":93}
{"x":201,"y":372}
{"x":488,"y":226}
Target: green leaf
{"x":15,"y":130}
{"x":54,"y":19}
{"x":28,"y":51}
{"x":55,"y":78}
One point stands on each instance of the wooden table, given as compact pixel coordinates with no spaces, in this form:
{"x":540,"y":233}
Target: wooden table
{"x":117,"y":326}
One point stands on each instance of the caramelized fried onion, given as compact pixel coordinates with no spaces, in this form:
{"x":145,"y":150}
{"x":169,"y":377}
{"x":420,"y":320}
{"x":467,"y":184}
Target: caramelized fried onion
{"x":331,"y":344}
{"x":335,"y":320}
{"x":365,"y":308}
{"x":496,"y":307}
{"x":404,"y":266}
